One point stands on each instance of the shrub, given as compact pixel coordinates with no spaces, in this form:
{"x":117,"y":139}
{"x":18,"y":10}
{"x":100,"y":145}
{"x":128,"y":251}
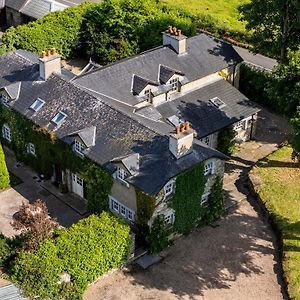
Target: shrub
{"x":4,"y":250}
{"x":84,"y":251}
{"x":226,"y":140}
{"x":4,"y":175}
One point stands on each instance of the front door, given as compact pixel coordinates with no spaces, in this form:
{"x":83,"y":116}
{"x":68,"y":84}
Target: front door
{"x":77,"y":185}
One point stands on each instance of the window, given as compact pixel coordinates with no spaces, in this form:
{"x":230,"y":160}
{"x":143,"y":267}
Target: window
{"x":169,"y":188}
{"x":169,"y":217}
{"x":174,"y":84}
{"x":37,"y":104}
{"x":239,"y":125}
{"x":208,"y":168}
{"x":217,"y":102}
{"x":6,"y":134}
{"x":4,"y":99}
{"x":121,"y":173}
{"x":59,"y":118}
{"x":31,"y":148}
{"x":148,"y":95}
{"x":206,"y":140}
{"x":79,"y":147}
{"x":204,"y":199}
{"x":120,"y":209}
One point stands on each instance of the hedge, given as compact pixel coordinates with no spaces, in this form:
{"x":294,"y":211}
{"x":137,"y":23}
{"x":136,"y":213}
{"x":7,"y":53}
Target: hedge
{"x":85,"y":251}
{"x":4,"y":175}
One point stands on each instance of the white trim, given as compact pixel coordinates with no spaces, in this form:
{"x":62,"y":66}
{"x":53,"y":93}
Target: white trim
{"x":56,"y":120}
{"x":30,"y":148}
{"x":209,"y":168}
{"x":79,"y":147}
{"x":204,"y":199}
{"x":170,"y":216}
{"x":6,"y":132}
{"x":120,"y":209}
{"x":169,"y":188}
{"x":34,"y":104}
{"x":4,"y":99}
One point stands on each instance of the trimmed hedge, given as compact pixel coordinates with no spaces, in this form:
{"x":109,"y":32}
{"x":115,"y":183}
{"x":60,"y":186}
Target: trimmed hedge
{"x":4,"y":175}
{"x":85,"y":251}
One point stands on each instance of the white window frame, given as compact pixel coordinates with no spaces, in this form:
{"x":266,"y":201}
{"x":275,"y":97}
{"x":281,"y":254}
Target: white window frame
{"x":79,"y":147}
{"x":174,"y":83}
{"x":56,"y":120}
{"x":217,"y":102}
{"x":4,"y":99}
{"x":121,"y":173}
{"x":35,"y":107}
{"x":147,"y":94}
{"x":120,"y":209}
{"x":204,"y":199}
{"x":239,"y":125}
{"x":209,"y":168}
{"x":170,"y":217}
{"x":6,"y":132}
{"x":206,"y":140}
{"x":31,"y":149}
{"x":169,"y":188}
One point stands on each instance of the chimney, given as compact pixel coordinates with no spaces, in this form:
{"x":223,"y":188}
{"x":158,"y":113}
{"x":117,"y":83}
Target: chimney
{"x":49,"y":63}
{"x":174,"y":37}
{"x":181,"y":142}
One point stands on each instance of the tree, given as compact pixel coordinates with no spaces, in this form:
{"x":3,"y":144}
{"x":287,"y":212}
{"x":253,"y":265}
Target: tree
{"x":284,"y":89}
{"x":34,"y":222}
{"x":4,"y":175}
{"x":275,"y":25}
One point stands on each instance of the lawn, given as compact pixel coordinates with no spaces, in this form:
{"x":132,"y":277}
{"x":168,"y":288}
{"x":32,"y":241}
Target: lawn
{"x":225,"y":12}
{"x":280,"y":190}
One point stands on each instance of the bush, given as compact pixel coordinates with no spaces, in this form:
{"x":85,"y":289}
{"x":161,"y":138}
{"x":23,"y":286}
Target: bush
{"x":226,"y":140}
{"x":4,"y":250}
{"x":4,"y":175}
{"x":84,"y":251}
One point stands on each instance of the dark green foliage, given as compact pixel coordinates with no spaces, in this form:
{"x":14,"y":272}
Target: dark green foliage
{"x":215,"y":207}
{"x":84,"y":251}
{"x":4,"y":175}
{"x":5,"y":250}
{"x":158,"y":237}
{"x":50,"y":151}
{"x":145,"y":207}
{"x":226,"y":140}
{"x":275,"y":25}
{"x":187,"y":198}
{"x":58,"y":29}
{"x":296,"y":138}
{"x":121,"y":28}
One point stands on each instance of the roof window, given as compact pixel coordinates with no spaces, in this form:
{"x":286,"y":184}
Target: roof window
{"x":37,"y":104}
{"x":217,"y":102}
{"x":59,"y":118}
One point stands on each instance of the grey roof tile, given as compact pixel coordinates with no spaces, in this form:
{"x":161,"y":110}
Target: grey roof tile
{"x":15,"y":4}
{"x":165,"y":73}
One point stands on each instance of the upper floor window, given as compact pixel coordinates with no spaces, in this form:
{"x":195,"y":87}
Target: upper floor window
{"x":169,"y":188}
{"x":148,"y":95}
{"x":239,"y":125}
{"x":174,"y":84}
{"x":121,"y":173}
{"x":37,"y":104}
{"x":59,"y":118}
{"x":4,"y":99}
{"x":79,"y":147}
{"x":170,"y":217}
{"x":6,"y":133}
{"x":206,"y":140}
{"x":208,"y":168}
{"x":204,"y":199}
{"x":31,"y":149}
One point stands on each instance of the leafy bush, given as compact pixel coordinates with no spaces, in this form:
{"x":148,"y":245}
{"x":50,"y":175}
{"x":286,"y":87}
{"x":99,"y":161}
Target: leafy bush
{"x":84,"y":251}
{"x":226,"y":140}
{"x":158,"y":237}
{"x":4,"y":175}
{"x":4,"y":250}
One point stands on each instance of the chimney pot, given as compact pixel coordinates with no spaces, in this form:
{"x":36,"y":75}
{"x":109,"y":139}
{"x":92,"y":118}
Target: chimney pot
{"x":48,"y":53}
{"x":187,"y":126}
{"x":53,"y":51}
{"x":43,"y":54}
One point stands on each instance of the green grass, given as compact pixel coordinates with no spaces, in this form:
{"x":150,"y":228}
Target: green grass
{"x":280,"y":190}
{"x":225,"y":12}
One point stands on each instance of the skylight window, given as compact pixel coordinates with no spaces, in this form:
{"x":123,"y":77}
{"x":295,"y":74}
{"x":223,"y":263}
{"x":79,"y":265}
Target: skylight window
{"x":37,"y":104}
{"x":217,"y":102}
{"x":59,"y":118}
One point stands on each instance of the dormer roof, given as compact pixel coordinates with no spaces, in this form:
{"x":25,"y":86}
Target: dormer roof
{"x":130,"y":162}
{"x":87,"y":135}
{"x":139,"y":83}
{"x":165,"y":73}
{"x":13,"y":90}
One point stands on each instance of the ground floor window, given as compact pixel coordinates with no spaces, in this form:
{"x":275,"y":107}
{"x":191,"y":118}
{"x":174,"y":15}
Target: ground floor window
{"x":6,"y":134}
{"x":120,"y":209}
{"x":204,"y":199}
{"x":239,"y":125}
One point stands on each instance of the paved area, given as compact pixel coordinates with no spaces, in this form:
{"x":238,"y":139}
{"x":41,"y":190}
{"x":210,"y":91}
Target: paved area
{"x":28,"y":191}
{"x":11,"y":292}
{"x":236,"y":259}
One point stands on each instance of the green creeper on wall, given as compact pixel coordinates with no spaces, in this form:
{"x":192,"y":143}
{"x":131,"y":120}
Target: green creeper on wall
{"x":4,"y":176}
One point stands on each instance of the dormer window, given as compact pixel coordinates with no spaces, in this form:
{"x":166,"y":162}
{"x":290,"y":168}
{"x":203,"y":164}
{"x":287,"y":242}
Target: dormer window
{"x":174,"y":84}
{"x":79,"y":148}
{"x":4,"y":99}
{"x":148,"y":95}
{"x":37,"y":104}
{"x":121,"y":173}
{"x":59,"y":118}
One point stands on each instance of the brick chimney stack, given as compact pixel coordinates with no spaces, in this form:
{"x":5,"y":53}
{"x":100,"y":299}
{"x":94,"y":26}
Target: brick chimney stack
{"x":49,"y":63}
{"x":174,"y":38}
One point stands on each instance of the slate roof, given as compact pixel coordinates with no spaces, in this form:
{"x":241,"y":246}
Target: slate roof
{"x":196,"y":108}
{"x":165,"y":73}
{"x":139,"y":83}
{"x":117,"y":134}
{"x":15,"y":4}
{"x":205,"y":55}
{"x":13,"y":89}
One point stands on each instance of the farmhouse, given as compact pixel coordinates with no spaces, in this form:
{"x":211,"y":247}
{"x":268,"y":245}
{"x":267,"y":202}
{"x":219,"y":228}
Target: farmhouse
{"x":143,"y":121}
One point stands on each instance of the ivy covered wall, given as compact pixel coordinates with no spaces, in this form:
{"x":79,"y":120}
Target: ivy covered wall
{"x":52,"y":151}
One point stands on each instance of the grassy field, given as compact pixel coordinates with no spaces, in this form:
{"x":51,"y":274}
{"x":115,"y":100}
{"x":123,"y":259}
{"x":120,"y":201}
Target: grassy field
{"x":223,"y":11}
{"x":280,"y":190}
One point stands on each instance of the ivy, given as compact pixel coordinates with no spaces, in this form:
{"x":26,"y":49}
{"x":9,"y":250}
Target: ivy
{"x":186,"y":201}
{"x":226,"y":141}
{"x":4,"y":176}
{"x":52,"y":151}
{"x":145,"y":207}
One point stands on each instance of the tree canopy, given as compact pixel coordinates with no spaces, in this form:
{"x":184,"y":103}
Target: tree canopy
{"x":275,"y":25}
